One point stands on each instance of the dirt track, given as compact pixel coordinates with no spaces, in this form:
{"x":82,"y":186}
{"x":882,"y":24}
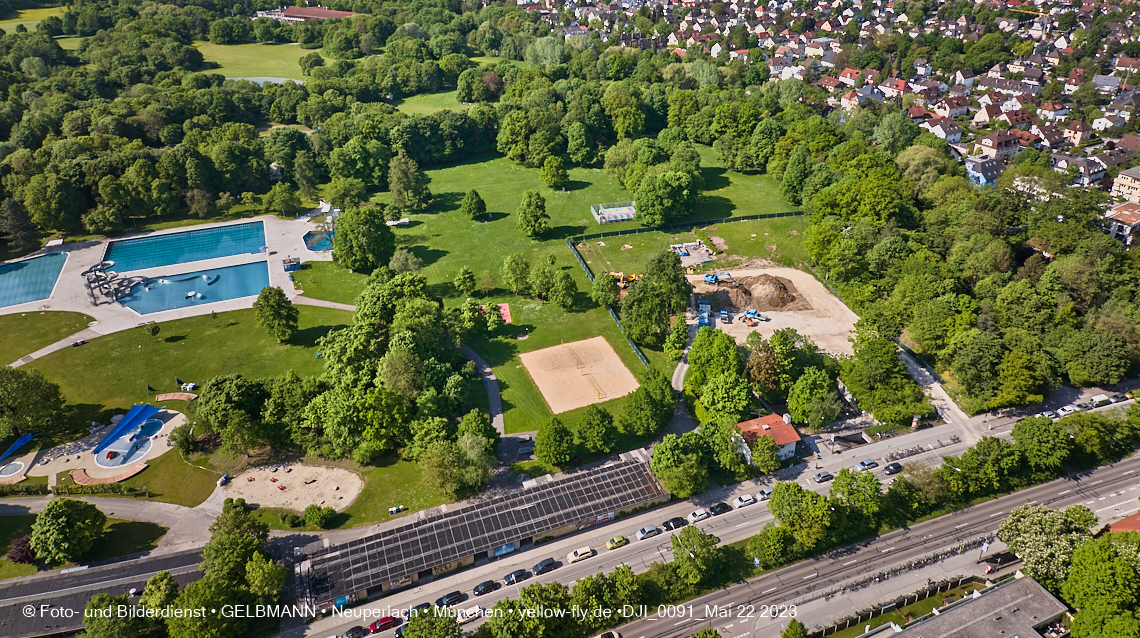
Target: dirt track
{"x":798,"y":301}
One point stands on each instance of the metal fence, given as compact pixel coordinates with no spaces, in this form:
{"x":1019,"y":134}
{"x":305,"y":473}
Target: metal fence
{"x":668,"y":228}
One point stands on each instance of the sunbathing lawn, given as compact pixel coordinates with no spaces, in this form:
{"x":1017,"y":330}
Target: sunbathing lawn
{"x":120,"y":538}
{"x":170,"y":479}
{"x":24,"y":333}
{"x":255,"y":60}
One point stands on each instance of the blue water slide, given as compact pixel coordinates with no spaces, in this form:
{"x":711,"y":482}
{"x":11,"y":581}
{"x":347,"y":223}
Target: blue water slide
{"x":17,"y":445}
{"x":136,"y":415}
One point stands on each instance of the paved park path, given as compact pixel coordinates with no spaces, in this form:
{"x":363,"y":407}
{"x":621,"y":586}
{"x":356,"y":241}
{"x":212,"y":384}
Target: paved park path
{"x":86,"y":333}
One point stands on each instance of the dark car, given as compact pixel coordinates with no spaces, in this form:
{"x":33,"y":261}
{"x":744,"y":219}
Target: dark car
{"x":516,"y":576}
{"x":415,"y":611}
{"x":1117,"y":398}
{"x":447,"y":600}
{"x":720,"y":508}
{"x":674,"y":523}
{"x":485,"y":587}
{"x":356,"y":632}
{"x":892,"y":468}
{"x":545,"y":565}
{"x":400,"y":631}
{"x":384,"y":624}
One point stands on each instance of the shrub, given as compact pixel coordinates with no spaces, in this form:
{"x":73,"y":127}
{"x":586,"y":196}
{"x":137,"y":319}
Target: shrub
{"x":318,"y":516}
{"x":21,"y":551}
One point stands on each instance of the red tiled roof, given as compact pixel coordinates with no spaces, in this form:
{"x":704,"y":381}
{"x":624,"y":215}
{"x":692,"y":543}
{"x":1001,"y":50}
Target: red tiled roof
{"x":317,"y":13}
{"x":1130,"y":524}
{"x":772,"y":425}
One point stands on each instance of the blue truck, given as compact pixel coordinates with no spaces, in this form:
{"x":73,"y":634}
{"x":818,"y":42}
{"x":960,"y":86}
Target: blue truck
{"x":704,"y":314}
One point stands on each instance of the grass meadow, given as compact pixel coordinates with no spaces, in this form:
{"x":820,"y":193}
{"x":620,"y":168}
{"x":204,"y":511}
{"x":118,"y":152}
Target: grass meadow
{"x":29,"y":18}
{"x":120,"y":537}
{"x":24,"y":333}
{"x":255,"y":60}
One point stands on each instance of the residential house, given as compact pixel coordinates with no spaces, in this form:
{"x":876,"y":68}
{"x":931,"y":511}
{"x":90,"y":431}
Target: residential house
{"x":1077,"y":132}
{"x":953,"y":107}
{"x":944,"y":128}
{"x":1088,"y":171}
{"x":832,"y":84}
{"x":781,"y":430}
{"x":1008,"y":87}
{"x":1108,"y":121}
{"x":983,"y":171}
{"x":1052,"y":111}
{"x":1050,"y":137}
{"x":1125,"y":64}
{"x":998,"y":145}
{"x":997,"y":71}
{"x":922,"y":67}
{"x":1016,"y":119}
{"x":1107,"y":84}
{"x":1123,"y":222}
{"x":965,"y":77}
{"x":919,"y":114}
{"x":894,"y":88}
{"x":986,"y":114}
{"x":1127,"y":185}
{"x":1074,"y":81}
{"x":1113,"y":157}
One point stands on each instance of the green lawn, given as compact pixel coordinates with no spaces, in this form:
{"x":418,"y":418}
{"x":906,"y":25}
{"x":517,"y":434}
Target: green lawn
{"x":255,"y":60}
{"x":29,"y":18}
{"x":170,"y":479}
{"x":24,"y":333}
{"x":428,"y":103}
{"x":69,"y":44}
{"x":906,"y":614}
{"x":120,"y":538}
{"x":390,"y":483}
{"x":328,"y":281}
{"x":112,"y":372}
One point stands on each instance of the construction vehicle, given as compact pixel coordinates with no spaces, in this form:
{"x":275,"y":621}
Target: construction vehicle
{"x":750,"y":313}
{"x":623,"y":279}
{"x":704,"y":312}
{"x":724,"y":318}
{"x":718,"y":278}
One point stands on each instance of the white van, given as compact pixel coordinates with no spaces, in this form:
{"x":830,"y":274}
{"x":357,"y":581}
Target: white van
{"x":1099,"y":400}
{"x":582,"y":553}
{"x":467,"y":615}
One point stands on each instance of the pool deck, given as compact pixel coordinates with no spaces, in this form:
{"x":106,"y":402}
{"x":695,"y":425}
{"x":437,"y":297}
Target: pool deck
{"x":284,"y":238}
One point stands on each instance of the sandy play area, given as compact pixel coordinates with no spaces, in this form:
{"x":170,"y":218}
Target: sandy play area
{"x":574,"y":375}
{"x":790,"y":298}
{"x":304,"y":485}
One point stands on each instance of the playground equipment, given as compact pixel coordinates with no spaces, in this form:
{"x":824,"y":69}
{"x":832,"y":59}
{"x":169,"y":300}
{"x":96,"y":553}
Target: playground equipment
{"x":718,"y":278}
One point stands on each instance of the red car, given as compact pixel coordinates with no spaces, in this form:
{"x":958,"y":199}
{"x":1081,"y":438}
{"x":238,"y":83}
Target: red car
{"x":387,"y":622}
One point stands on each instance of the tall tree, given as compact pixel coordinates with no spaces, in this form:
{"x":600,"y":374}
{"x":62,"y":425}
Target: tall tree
{"x":814,"y":400}
{"x":605,"y":290}
{"x":276,"y":313}
{"x":473,"y":206}
{"x":532,"y":218}
{"x":806,"y":513}
{"x":29,"y":403}
{"x":596,"y":432}
{"x":554,"y":444}
{"x":67,"y":529}
{"x":363,"y":240}
{"x":553,"y":172}
{"x":516,"y":273}
{"x":564,"y":290}
{"x":16,"y":226}
{"x":796,"y":175}
{"x":407,"y":184}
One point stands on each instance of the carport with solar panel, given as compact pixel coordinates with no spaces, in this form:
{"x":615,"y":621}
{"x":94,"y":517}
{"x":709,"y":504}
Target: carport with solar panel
{"x":366,"y":567}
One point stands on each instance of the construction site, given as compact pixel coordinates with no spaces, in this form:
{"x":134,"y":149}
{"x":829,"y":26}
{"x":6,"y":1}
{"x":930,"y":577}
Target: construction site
{"x":768,"y":299}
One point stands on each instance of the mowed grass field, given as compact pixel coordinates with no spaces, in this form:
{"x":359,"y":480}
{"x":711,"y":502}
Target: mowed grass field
{"x":255,"y":60}
{"x":120,"y":537}
{"x":428,"y":103}
{"x":24,"y":333}
{"x":29,"y":18}
{"x":112,"y":372}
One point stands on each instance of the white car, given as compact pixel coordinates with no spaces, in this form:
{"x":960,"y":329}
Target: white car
{"x":647,"y":532}
{"x":743,"y":500}
{"x":1066,"y":410}
{"x":764,"y":494}
{"x":467,"y":615}
{"x":582,"y":553}
{"x":698,"y":515}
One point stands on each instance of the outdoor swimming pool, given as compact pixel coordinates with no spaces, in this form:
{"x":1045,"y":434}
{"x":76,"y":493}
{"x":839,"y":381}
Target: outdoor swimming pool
{"x":29,"y":280}
{"x":191,"y":245}
{"x":319,"y":240}
{"x":131,"y":445}
{"x":197,"y":288}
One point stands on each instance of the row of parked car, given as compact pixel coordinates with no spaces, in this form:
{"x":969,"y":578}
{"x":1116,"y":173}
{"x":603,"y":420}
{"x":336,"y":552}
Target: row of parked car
{"x":1096,"y":401}
{"x":861,"y":466}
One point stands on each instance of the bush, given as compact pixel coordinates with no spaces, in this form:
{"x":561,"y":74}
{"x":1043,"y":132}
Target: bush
{"x":33,"y":489}
{"x":21,"y":551}
{"x":106,"y":488}
{"x":183,"y":440}
{"x":293,"y":520}
{"x":318,"y":516}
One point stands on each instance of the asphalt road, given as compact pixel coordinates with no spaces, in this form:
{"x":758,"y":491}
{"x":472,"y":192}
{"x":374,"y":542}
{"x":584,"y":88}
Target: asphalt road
{"x":57,"y":601}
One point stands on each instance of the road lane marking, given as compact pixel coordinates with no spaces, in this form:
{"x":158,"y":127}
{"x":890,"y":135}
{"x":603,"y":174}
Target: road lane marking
{"x":1097,"y":482}
{"x":812,"y":576}
{"x":887,"y":549}
{"x":996,"y":514}
{"x":961,"y":526}
{"x":1064,"y":493}
{"x":768,"y":591}
{"x":851,"y":562}
{"x":729,"y":626}
{"x":684,"y":621}
{"x":744,"y":523}
{"x":1030,"y":502}
{"x":1129,"y":472}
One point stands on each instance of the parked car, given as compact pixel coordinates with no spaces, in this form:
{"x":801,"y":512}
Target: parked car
{"x":744,"y":500}
{"x":892,"y":468}
{"x":698,"y":515}
{"x":582,"y":553}
{"x":674,"y":523}
{"x":764,"y":494}
{"x":823,"y":477}
{"x":1048,"y":414}
{"x":649,"y":531}
{"x":400,"y":631}
{"x":866,"y":465}
{"x":610,"y":634}
{"x":1117,"y":398}
{"x":448,"y":600}
{"x":356,"y":632}
{"x":485,"y":587}
{"x":1084,"y":406}
{"x":384,"y":624}
{"x":467,"y":615}
{"x":1099,"y":400}
{"x":415,"y":611}
{"x":1132,"y":394}
{"x":1066,"y":410}
{"x":545,"y":565}
{"x":516,"y":576}
{"x":719,"y":508}
{"x":616,"y":542}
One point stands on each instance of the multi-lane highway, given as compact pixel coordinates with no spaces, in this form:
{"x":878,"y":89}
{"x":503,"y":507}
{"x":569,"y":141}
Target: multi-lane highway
{"x":1109,"y":491}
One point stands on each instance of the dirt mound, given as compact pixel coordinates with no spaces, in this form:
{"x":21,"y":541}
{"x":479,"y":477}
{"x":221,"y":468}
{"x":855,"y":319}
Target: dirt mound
{"x":769,"y":291}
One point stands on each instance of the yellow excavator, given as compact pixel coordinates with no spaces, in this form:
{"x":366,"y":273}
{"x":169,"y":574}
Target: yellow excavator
{"x":623,"y":279}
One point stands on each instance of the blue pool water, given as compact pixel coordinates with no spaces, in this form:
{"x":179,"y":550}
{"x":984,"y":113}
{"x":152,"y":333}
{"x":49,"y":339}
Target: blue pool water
{"x":192,"y":245}
{"x":319,"y":240}
{"x":29,"y":280}
{"x":197,"y":288}
{"x":131,"y":445}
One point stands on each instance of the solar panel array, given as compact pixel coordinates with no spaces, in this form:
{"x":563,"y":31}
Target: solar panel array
{"x":393,"y":554}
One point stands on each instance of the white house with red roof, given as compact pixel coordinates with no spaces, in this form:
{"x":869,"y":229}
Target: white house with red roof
{"x":781,"y":430}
